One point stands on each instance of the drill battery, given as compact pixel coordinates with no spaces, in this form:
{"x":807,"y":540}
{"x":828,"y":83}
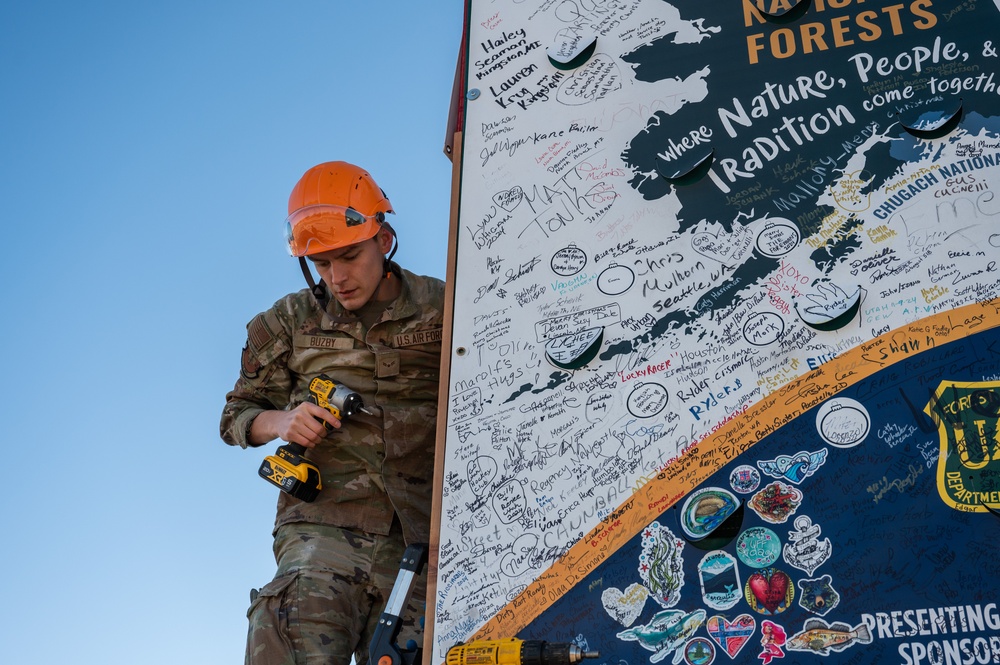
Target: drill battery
{"x":292,"y":472}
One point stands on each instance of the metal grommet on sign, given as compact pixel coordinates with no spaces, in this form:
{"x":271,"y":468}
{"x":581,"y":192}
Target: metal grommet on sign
{"x":472,"y":94}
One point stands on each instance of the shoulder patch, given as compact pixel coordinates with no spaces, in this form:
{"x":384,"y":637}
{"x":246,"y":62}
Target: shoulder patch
{"x":265,"y":342}
{"x":259,"y":335}
{"x":250,"y":366}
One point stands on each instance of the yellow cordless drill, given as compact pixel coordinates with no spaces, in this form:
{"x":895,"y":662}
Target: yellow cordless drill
{"x":513,"y":651}
{"x":288,"y":468}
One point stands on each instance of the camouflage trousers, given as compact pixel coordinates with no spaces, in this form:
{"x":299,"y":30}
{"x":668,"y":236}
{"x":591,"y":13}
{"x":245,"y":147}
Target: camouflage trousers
{"x":326,"y":597}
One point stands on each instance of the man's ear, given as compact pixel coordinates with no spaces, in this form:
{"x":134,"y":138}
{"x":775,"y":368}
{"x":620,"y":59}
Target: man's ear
{"x":385,"y":237}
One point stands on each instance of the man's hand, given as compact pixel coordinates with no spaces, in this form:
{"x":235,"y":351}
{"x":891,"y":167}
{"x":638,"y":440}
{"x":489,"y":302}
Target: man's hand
{"x":302,"y":425}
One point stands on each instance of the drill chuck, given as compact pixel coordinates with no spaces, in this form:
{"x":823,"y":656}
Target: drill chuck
{"x":353,"y":404}
{"x":552,"y":653}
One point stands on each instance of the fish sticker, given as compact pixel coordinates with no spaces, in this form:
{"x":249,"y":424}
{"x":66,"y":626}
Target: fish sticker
{"x":665,"y":633}
{"x":820,"y":637}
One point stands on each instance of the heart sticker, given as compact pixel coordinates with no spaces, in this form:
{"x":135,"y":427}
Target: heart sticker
{"x":626,"y":607}
{"x":733,"y":635}
{"x":769,"y":591}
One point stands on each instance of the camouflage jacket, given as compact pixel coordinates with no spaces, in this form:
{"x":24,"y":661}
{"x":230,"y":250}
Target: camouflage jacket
{"x":373,"y":466}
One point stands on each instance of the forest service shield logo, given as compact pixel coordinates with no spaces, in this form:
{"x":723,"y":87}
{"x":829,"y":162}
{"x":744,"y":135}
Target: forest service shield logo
{"x":968,"y":472}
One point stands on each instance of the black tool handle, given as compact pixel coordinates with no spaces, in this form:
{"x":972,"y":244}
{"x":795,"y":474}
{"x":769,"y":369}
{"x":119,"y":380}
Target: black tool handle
{"x":383,"y":649}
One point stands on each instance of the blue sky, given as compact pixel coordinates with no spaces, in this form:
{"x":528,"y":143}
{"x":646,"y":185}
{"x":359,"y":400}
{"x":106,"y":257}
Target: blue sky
{"x":146,"y":155}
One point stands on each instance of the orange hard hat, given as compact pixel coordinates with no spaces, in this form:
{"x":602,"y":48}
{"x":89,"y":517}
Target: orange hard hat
{"x":333,"y":205}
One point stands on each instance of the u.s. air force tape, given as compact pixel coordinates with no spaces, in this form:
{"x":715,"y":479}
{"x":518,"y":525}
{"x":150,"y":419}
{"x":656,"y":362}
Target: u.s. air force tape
{"x":418,"y":337}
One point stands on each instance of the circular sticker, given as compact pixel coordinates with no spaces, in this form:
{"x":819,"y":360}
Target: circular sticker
{"x":615,"y":280}
{"x":779,"y":237}
{"x":744,"y":479}
{"x":705,"y":509}
{"x":568,"y":261}
{"x":763,"y":328}
{"x":646,"y":400}
{"x":699,"y":651}
{"x":843,"y":422}
{"x":758,"y":547}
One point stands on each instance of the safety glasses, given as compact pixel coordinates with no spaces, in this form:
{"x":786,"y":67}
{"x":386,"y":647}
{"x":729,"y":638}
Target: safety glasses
{"x":321,"y":228}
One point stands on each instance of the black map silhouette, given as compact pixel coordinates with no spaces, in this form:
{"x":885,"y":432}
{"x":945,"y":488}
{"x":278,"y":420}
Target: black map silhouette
{"x":803,"y":105}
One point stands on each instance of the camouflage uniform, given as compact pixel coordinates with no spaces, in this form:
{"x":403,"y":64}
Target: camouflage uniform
{"x":338,"y":556}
